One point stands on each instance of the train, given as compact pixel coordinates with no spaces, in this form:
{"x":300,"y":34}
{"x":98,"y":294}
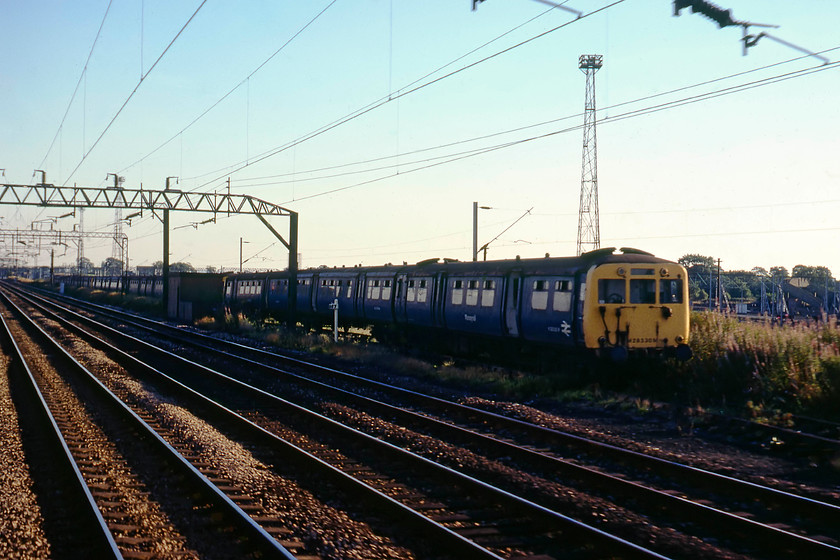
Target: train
{"x":607,"y":301}
{"x":149,"y":286}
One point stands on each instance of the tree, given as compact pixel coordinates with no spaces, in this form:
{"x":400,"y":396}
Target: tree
{"x":173,"y":267}
{"x":779,"y":273}
{"x":698,"y":268}
{"x":697,"y":263}
{"x":85,"y":265}
{"x":112,"y":266}
{"x":181,"y":267}
{"x":816,"y":274}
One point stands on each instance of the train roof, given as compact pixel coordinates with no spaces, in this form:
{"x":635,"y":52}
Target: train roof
{"x":544,"y":265}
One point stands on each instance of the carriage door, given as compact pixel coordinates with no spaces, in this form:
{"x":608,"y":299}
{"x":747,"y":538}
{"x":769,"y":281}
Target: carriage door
{"x":399,"y":298}
{"x":512,"y":302}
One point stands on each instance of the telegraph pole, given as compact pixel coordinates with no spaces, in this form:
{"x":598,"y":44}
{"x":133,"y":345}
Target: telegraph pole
{"x":589,"y":234}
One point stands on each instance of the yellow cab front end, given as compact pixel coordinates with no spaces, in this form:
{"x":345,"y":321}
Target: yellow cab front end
{"x":637,"y":306}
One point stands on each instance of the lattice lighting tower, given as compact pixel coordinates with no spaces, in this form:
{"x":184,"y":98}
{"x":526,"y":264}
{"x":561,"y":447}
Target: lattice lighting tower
{"x":589,"y":235}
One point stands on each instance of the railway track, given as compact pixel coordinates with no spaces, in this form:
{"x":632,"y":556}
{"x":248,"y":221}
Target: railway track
{"x":469,"y":517}
{"x":708,"y":503}
{"x":119,"y":464}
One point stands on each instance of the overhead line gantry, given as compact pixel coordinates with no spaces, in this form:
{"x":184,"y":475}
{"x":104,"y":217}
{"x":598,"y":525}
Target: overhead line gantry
{"x":167,"y":200}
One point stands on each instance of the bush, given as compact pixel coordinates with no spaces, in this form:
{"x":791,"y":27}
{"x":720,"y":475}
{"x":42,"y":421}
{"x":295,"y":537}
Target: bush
{"x":772,"y":366}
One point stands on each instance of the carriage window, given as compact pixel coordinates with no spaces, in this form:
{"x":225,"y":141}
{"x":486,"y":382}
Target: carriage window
{"x":422,"y":292}
{"x":642,"y":291}
{"x":373,"y":289}
{"x":386,"y":290}
{"x":612,"y":290}
{"x":472,"y":292}
{"x":670,"y":291}
{"x":562,"y":296}
{"x":539,"y":296}
{"x":488,"y":294}
{"x":457,"y":292}
{"x":349,"y":288}
{"x":410,"y":291}
{"x":562,"y":301}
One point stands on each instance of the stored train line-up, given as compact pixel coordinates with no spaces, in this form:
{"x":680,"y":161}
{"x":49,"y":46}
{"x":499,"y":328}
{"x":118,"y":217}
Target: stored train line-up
{"x":608,"y":301}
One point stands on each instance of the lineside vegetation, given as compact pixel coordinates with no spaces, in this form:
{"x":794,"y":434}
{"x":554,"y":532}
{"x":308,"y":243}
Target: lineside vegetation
{"x":754,"y":368}
{"x":758,"y":369}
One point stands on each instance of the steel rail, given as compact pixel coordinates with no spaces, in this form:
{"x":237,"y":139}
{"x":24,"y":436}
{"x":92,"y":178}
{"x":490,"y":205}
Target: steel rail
{"x":260,"y":538}
{"x":94,"y":538}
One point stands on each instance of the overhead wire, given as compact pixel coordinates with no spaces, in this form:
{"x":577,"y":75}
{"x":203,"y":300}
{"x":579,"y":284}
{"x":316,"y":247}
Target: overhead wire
{"x":391,"y":93}
{"x":237,"y":86}
{"x":400,"y":94}
{"x":605,"y":109}
{"x":78,"y":83}
{"x":630,"y":114}
{"x":131,"y":95}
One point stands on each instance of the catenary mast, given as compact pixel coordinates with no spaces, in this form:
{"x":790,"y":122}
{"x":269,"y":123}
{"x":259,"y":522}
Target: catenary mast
{"x":589,"y":235}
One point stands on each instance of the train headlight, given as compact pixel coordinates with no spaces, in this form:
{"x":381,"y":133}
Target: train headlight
{"x":663,"y":272}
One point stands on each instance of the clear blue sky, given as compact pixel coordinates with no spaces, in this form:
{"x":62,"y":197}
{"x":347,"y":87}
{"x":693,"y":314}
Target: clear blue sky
{"x":749,"y":175}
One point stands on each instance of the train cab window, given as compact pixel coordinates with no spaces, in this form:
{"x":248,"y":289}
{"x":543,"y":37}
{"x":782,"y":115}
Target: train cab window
{"x":539,"y":295}
{"x":488,"y":293}
{"x":642,"y":291}
{"x":472,"y":292}
{"x":457,"y":292}
{"x":612,"y":290}
{"x":670,"y":291}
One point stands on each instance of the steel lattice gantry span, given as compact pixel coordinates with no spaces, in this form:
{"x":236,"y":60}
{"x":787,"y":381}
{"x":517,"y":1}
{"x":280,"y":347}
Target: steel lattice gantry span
{"x":139,"y":199}
{"x":34,"y":237}
{"x":48,"y":195}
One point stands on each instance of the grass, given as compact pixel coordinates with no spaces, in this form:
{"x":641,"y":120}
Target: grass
{"x":760,"y":367}
{"x":137,"y":304}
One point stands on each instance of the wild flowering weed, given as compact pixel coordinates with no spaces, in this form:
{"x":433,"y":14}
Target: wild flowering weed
{"x":787,"y":366}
